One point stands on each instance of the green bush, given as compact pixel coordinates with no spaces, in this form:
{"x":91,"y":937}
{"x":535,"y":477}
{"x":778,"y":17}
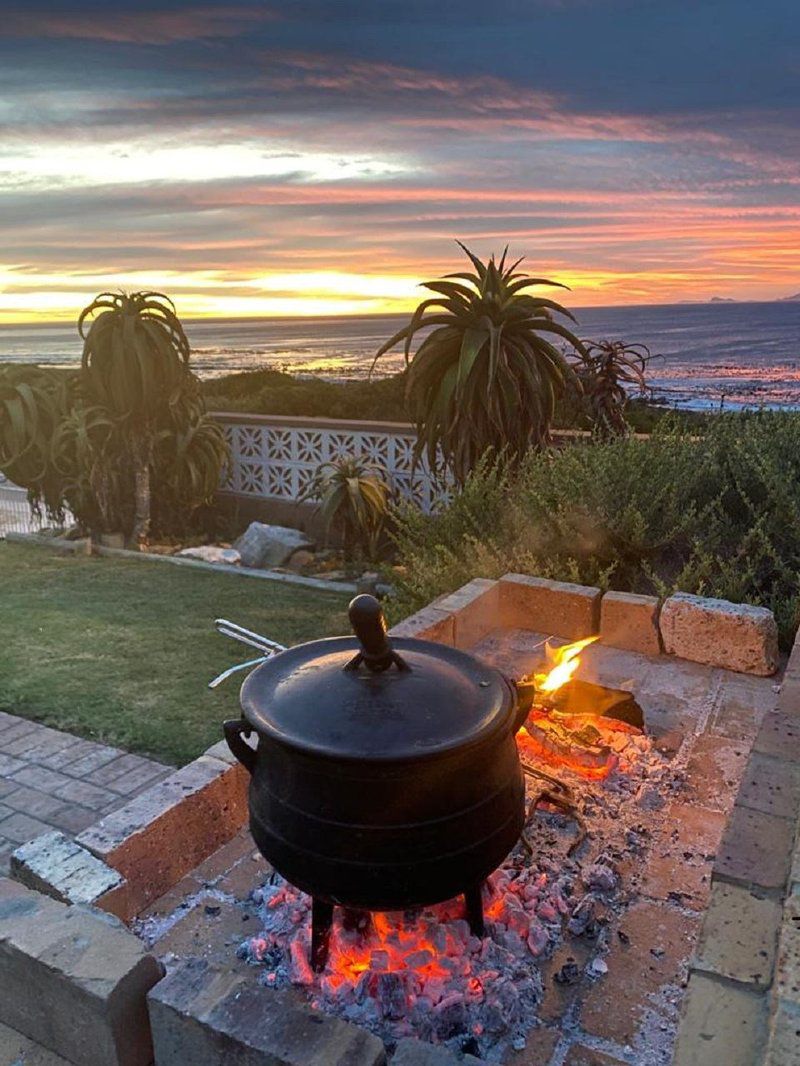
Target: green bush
{"x":717,"y":514}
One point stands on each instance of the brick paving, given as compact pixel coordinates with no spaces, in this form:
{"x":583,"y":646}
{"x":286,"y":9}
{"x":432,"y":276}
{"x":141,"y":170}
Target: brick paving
{"x":54,"y":780}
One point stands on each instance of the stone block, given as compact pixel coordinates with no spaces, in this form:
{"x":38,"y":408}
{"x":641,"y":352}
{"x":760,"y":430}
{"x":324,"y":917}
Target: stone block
{"x":204,"y":1016}
{"x":428,"y":624}
{"x":713,"y":771}
{"x":74,"y":980}
{"x":59,"y":867}
{"x":787,"y":970}
{"x":739,"y":936}
{"x":475,"y":608}
{"x":721,"y":1024}
{"x":418,"y":1053}
{"x":783,"y":1044}
{"x":264,"y":546}
{"x":735,"y":636}
{"x":659,"y":940}
{"x":743,"y":704}
{"x":554,"y":607}
{"x":770,"y":785}
{"x":630,"y":622}
{"x":681,"y":858}
{"x":755,"y":850}
{"x":18,"y":1050}
{"x":166,"y":831}
{"x":779,"y":735}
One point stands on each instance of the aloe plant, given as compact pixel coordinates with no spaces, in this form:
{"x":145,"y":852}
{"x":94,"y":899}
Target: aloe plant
{"x":608,"y":371}
{"x":353,"y":496}
{"x":136,"y":367}
{"x":488,"y":374}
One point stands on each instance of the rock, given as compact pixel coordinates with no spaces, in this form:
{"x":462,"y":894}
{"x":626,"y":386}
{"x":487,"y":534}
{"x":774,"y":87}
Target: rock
{"x":301,"y":559}
{"x":210,"y":553}
{"x":735,"y":636}
{"x":368,"y":583}
{"x":600,"y":877}
{"x":263,"y":546}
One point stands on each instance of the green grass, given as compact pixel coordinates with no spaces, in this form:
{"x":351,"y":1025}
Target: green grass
{"x":121,"y":651}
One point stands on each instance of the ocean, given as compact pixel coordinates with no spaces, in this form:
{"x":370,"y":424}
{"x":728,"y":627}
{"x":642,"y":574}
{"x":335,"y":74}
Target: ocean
{"x":707,"y":355}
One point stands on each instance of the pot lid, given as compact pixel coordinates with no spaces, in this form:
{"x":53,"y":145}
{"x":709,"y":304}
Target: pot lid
{"x":364,"y":698}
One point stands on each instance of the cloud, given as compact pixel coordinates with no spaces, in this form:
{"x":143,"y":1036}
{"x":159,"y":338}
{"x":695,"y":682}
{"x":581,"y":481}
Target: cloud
{"x":147,"y":27}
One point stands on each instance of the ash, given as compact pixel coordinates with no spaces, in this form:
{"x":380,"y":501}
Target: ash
{"x":423,"y":974}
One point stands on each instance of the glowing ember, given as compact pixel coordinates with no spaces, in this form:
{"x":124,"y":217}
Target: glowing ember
{"x":565,"y":662}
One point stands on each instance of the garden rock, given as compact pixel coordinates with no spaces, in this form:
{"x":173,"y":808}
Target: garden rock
{"x":210,"y":553}
{"x":301,"y":559}
{"x":263,"y":546}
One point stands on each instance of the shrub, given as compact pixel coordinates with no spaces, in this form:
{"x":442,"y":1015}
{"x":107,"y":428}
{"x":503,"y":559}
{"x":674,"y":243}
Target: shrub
{"x":717,"y":514}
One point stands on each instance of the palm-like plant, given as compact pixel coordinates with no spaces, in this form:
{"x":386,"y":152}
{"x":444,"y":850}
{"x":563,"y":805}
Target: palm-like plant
{"x":353,"y":496}
{"x":608,"y":371}
{"x":135,"y":365}
{"x":487,"y":375}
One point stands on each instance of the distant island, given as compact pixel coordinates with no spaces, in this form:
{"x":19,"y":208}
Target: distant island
{"x":722,"y":300}
{"x":791,"y":299}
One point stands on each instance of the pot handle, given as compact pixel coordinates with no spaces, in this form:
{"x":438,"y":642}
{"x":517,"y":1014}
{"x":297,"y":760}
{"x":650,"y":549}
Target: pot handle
{"x":235,"y":730}
{"x":525,"y":691}
{"x":369,"y":626}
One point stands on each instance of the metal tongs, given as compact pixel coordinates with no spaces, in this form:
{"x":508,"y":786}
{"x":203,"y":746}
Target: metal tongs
{"x":244,"y":636}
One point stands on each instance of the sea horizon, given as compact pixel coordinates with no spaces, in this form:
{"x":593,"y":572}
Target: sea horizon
{"x":721,"y":352}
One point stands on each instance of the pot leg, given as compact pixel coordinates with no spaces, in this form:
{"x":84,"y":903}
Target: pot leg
{"x":321,"y":921}
{"x":474,"y":903}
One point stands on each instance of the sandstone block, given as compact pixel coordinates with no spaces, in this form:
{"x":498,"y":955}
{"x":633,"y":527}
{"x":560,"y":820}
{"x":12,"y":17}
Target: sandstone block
{"x":204,"y":1016}
{"x":166,"y":831}
{"x":475,"y":608}
{"x":264,"y":546}
{"x":720,"y":1024}
{"x":554,"y":607}
{"x":739,"y":936}
{"x":428,"y":624}
{"x":74,"y":980}
{"x":58,"y":866}
{"x":630,"y":622}
{"x":18,"y":1050}
{"x":735,"y":636}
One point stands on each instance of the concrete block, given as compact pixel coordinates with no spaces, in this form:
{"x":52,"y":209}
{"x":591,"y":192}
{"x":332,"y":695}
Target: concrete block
{"x":771,"y":785}
{"x":428,"y":624}
{"x":783,"y":1044}
{"x":166,"y":831}
{"x":735,"y":636}
{"x":58,"y":866}
{"x":74,"y":980}
{"x":787,"y":970}
{"x":557,"y":608}
{"x":630,"y":622}
{"x":755,"y":850}
{"x":17,"y":1050}
{"x":720,"y":1024}
{"x":739,"y":936}
{"x":475,"y":608}
{"x":418,"y":1053}
{"x":205,"y":1016}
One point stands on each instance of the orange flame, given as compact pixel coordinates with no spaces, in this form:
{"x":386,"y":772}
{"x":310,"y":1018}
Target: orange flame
{"x":565,"y":662}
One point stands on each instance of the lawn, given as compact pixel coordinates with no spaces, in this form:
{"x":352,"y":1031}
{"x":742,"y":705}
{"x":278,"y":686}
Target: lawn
{"x":121,"y":651}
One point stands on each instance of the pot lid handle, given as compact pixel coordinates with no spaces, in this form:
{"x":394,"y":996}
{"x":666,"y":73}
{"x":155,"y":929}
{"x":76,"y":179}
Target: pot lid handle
{"x":369,"y":626}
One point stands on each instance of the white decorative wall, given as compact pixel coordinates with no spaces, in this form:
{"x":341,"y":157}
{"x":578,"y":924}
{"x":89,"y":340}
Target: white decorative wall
{"x":275,"y":457}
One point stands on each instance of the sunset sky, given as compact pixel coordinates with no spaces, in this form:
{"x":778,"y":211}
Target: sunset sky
{"x":318,"y":156}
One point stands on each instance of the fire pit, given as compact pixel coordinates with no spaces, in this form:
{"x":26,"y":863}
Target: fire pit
{"x":590,"y":917}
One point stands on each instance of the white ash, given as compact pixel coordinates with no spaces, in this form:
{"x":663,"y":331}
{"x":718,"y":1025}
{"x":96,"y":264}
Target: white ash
{"x":423,"y":974}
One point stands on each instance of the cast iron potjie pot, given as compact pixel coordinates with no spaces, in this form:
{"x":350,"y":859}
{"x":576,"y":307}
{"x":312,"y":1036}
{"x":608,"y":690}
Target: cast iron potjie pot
{"x":386,"y":775}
